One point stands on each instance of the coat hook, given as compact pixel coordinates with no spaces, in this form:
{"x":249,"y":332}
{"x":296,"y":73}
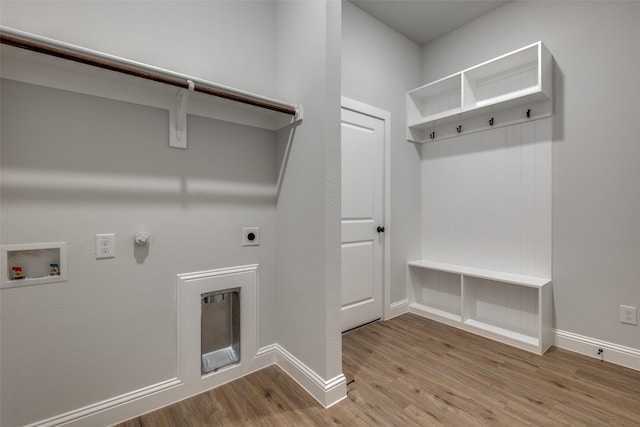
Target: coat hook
{"x":432,"y":135}
{"x":459,"y":128}
{"x":529,"y":113}
{"x":491,"y":121}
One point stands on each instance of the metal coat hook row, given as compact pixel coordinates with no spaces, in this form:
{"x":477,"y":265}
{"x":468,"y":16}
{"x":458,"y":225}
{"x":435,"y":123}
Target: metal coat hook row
{"x":459,"y":128}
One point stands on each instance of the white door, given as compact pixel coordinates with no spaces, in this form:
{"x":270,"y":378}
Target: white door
{"x":362,"y":218}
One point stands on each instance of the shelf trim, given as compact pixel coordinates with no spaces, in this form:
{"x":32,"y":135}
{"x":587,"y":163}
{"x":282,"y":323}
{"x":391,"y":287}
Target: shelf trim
{"x":505,"y":55}
{"x":425,"y":308}
{"x":498,"y":276}
{"x":450,"y":135}
{"x":484,"y":329}
{"x":414,"y":92}
{"x":521,"y":93}
{"x":503,"y":332}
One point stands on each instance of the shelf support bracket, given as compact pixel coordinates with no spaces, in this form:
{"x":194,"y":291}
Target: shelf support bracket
{"x":295,"y":122}
{"x":178,"y":118}
{"x":297,"y":119}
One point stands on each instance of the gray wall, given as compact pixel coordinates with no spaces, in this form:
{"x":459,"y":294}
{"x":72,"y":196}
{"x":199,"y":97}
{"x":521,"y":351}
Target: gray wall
{"x":308,"y":261}
{"x":76,"y":165}
{"x":378,"y":67}
{"x":596,"y":202}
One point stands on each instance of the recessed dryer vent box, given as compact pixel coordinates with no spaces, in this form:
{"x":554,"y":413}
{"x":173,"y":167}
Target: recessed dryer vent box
{"x":220,"y":329}
{"x":33,"y":264}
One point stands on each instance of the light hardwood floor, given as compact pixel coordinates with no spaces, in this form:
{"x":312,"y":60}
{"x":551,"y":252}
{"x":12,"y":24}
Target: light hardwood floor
{"x":410,"y":371}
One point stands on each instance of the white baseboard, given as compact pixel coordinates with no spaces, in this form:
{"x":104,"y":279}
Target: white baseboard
{"x":147,"y":399}
{"x":327,"y":392}
{"x":121,"y":407}
{"x":397,"y":308}
{"x":266,"y":356}
{"x":614,"y":353}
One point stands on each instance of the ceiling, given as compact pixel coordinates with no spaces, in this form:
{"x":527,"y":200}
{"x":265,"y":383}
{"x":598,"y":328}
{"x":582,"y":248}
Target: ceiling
{"x":425,"y":20}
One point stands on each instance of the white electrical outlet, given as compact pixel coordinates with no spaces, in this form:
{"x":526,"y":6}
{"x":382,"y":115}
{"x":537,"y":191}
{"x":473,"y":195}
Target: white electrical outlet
{"x":250,"y":236}
{"x":628,"y":315}
{"x":105,"y":246}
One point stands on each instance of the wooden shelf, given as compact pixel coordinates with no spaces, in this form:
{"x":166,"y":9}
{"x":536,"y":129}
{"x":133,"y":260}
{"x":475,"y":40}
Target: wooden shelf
{"x":511,"y":308}
{"x":517,"y":78}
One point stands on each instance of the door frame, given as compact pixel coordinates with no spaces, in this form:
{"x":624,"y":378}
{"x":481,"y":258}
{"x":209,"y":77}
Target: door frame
{"x":385,"y":116}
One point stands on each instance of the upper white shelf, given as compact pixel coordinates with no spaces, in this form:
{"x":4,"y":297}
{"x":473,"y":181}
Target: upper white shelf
{"x":516,"y":78}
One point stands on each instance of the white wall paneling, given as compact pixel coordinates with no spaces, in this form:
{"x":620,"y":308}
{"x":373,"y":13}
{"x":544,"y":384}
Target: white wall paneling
{"x":486,"y":233}
{"x":487,"y":199}
{"x":503,"y":306}
{"x":439,"y":292}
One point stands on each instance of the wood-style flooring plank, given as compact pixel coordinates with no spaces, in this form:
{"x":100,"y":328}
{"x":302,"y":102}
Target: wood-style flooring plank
{"x":411,"y":371}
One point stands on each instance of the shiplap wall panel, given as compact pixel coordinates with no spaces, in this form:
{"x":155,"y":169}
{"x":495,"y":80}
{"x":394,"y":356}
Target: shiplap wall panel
{"x":487,"y":199}
{"x":500,"y":214}
{"x":513,"y":198}
{"x":443,"y":290}
{"x":500,"y":304}
{"x":528,"y":187}
{"x":544,"y":130}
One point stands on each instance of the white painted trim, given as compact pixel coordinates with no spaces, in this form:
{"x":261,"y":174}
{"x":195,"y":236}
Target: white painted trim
{"x":128,"y":398}
{"x":613,"y":353}
{"x":217,"y":272}
{"x":397,"y":308}
{"x":326,"y":392}
{"x":266,"y":356}
{"x":189,"y":287}
{"x":147,"y":399}
{"x":385,"y":116}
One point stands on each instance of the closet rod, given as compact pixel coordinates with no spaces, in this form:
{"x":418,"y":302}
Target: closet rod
{"x":70,"y":52}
